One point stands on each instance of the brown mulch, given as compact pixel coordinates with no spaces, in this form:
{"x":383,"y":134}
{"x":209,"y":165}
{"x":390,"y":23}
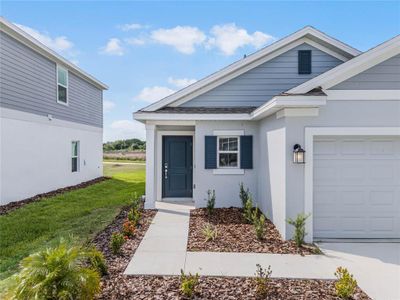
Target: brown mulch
{"x":235,"y":235}
{"x":115,"y":285}
{"x":4,"y":209}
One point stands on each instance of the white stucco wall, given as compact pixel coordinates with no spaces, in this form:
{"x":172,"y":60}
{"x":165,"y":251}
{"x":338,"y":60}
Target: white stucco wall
{"x":226,"y":186}
{"x":35,"y":154}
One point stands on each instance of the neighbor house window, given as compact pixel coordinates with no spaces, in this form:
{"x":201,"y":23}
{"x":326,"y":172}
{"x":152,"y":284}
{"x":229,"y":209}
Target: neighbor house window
{"x":228,"y":152}
{"x":62,"y":85}
{"x":304,"y":57}
{"x":75,"y":156}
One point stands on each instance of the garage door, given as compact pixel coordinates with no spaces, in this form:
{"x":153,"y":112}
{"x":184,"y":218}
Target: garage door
{"x":356,"y":187}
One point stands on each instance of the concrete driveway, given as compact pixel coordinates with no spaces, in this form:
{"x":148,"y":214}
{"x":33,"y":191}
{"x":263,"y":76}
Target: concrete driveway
{"x":376,"y":266}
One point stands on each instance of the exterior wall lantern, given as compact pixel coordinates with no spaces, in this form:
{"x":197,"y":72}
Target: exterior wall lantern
{"x":298,"y":154}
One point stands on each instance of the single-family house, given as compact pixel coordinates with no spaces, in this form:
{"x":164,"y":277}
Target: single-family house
{"x":309,"y":124}
{"x":51,"y":118}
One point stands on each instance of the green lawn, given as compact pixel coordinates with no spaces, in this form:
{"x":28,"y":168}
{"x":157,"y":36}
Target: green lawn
{"x":81,"y":213}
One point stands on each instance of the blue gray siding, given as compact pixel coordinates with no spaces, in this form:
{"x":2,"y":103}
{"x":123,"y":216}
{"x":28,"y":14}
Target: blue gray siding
{"x":383,"y":76}
{"x":260,"y":84}
{"x":28,"y":83}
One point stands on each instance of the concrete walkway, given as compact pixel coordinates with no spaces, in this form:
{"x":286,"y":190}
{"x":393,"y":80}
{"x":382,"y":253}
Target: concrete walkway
{"x":376,"y":266}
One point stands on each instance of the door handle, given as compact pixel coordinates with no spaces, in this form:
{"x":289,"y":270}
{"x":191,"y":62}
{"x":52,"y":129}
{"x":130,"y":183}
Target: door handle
{"x":166,"y":171}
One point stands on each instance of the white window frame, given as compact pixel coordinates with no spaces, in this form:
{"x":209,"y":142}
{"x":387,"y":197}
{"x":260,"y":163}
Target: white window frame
{"x":65,"y":86}
{"x":76,"y":156}
{"x":228,"y":151}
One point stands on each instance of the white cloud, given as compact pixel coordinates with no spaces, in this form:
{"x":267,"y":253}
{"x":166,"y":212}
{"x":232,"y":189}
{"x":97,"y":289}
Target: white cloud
{"x":182,"y":38}
{"x":135,"y":41}
{"x":154,"y":93}
{"x":228,"y":38}
{"x":181,"y":82}
{"x":124,"y":129}
{"x":58,"y":43}
{"x":113,"y":47}
{"x":132,"y":26}
{"x":108,"y":106}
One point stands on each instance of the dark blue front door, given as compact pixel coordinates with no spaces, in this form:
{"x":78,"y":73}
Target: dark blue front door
{"x":177,"y":166}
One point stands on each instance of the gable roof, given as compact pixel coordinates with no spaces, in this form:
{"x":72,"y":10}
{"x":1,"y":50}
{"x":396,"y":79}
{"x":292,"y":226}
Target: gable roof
{"x":308,"y":35}
{"x":26,"y":39}
{"x":352,"y":67}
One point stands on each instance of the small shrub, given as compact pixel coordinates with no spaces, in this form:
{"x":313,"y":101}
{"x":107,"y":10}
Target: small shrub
{"x":189,"y":284}
{"x":117,"y":240}
{"x":210,"y":201}
{"x":259,"y":224}
{"x":243,"y":194}
{"x":134,"y":216}
{"x":262,"y":279}
{"x":62,"y":272}
{"x":346,"y":285}
{"x":248,"y":210}
{"x":300,"y":228}
{"x":97,"y":261}
{"x":136,"y":202}
{"x":128,"y":229}
{"x":209,"y":232}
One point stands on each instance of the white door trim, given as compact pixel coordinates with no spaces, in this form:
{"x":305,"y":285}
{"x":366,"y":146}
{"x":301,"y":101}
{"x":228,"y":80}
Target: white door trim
{"x":159,"y":147}
{"x":310,"y":132}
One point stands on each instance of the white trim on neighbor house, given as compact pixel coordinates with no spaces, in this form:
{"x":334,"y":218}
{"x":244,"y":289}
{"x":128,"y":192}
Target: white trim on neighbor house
{"x":252,"y":61}
{"x":363,"y":95}
{"x":26,"y":39}
{"x":152,"y":116}
{"x":158,"y":163}
{"x":310,"y":133}
{"x":352,"y":67}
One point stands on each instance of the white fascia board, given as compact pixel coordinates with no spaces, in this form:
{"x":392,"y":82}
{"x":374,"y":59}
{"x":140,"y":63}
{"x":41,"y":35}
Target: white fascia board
{"x":279,"y":102}
{"x":352,"y":67}
{"x":37,"y":46}
{"x":246,"y":64}
{"x":150,"y":116}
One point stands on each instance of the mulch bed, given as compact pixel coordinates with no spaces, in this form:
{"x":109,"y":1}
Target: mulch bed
{"x":4,"y":209}
{"x":115,"y":285}
{"x":235,"y":235}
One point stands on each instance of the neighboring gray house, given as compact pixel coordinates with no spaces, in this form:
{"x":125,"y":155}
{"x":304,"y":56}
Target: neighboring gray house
{"x":250,"y":121}
{"x":51,"y":115}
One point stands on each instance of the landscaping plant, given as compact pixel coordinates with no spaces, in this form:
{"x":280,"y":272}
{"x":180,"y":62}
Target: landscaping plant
{"x":128,"y":228}
{"x":262,"y":279}
{"x":259,"y":224}
{"x":243,"y":194}
{"x":97,"y":261}
{"x":189,"y":284}
{"x":136,"y":202}
{"x":134,"y":216}
{"x":248,"y":210}
{"x":346,"y":285}
{"x":210,"y":201}
{"x":117,"y":240}
{"x":300,"y":228}
{"x":62,"y":272}
{"x":209,"y":232}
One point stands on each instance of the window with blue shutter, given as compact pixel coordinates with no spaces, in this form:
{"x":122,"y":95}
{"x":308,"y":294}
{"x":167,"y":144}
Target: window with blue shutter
{"x":246,"y":152}
{"x":210,"y":151}
{"x":304,"y":60}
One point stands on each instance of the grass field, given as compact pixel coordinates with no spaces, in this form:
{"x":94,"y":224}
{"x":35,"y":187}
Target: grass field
{"x":81,"y":213}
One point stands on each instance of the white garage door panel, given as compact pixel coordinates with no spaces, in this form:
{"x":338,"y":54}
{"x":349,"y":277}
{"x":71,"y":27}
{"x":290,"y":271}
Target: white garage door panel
{"x":356,"y":187}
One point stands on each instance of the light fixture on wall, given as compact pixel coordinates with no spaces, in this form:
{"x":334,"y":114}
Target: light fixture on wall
{"x":298,"y":154}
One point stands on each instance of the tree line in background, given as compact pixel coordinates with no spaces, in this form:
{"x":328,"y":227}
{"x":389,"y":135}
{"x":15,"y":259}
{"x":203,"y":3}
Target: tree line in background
{"x":128,"y":145}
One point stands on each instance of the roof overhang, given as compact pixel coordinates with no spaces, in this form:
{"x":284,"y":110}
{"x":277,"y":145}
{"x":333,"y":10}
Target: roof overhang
{"x":308,"y":35}
{"x":275,"y":104}
{"x":26,"y":39}
{"x":352,"y":67}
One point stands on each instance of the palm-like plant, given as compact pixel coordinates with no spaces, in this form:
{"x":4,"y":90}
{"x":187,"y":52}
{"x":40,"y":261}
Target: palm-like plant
{"x":63,"y":272}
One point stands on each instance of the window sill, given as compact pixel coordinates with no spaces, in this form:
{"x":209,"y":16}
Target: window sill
{"x":228,"y":171}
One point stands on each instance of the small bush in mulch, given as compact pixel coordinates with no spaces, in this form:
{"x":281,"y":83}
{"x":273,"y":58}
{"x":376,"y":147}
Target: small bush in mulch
{"x":235,"y":234}
{"x":4,"y":209}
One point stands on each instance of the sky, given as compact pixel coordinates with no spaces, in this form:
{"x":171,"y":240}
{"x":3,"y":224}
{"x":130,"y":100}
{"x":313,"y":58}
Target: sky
{"x":146,"y":50}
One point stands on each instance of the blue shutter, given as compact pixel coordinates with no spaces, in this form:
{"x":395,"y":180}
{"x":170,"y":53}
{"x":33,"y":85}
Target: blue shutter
{"x":210,"y":151}
{"x":304,"y":60}
{"x":246,"y":152}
